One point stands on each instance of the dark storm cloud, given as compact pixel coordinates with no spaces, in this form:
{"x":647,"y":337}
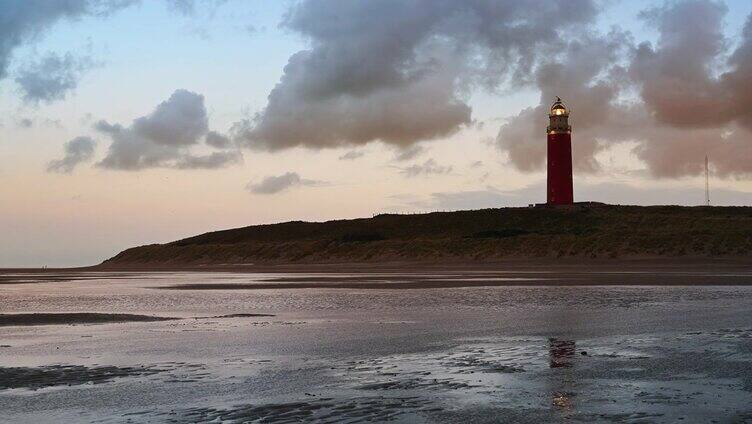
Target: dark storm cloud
{"x":23,"y":21}
{"x":276,"y":184}
{"x":399,"y":71}
{"x":693,"y":99}
{"x":78,"y":150}
{"x":52,"y":77}
{"x":163,"y":138}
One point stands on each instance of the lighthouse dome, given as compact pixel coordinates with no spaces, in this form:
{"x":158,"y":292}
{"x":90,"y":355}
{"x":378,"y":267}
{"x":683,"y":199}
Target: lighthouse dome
{"x":558,"y":108}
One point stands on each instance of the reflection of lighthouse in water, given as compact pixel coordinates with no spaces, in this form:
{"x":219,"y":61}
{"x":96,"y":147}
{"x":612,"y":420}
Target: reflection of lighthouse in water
{"x":561,"y":354}
{"x":559,"y":138}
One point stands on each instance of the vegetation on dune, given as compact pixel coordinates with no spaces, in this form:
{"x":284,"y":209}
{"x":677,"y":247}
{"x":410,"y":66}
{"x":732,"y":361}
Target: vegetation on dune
{"x":582,"y":230}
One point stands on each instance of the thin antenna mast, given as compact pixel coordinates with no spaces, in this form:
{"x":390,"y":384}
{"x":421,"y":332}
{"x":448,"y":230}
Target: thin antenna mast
{"x":707,"y":183}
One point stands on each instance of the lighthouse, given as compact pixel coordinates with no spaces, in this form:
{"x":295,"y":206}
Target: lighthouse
{"x":559,"y":134}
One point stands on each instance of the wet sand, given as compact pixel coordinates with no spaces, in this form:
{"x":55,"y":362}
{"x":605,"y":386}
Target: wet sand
{"x":96,"y":318}
{"x":74,"y":318}
{"x":35,"y":378}
{"x":429,"y":275}
{"x":554,"y":352}
{"x":405,"y":282}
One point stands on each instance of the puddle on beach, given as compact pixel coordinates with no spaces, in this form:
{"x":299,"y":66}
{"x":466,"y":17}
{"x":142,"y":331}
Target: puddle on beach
{"x":477,"y":354}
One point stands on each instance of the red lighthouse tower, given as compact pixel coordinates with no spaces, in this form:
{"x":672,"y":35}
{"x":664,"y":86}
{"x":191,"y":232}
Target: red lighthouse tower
{"x":559,"y":134}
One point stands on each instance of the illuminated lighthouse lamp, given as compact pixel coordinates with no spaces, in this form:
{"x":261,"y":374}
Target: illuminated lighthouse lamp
{"x":559,"y":138}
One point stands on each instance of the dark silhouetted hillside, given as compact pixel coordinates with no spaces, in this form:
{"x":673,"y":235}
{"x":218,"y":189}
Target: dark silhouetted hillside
{"x":583,"y":230}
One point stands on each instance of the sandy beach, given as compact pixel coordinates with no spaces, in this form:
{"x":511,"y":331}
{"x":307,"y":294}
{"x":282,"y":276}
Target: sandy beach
{"x":524,"y":344}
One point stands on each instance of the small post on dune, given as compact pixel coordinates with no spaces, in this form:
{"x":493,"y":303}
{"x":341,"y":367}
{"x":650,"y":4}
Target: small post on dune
{"x":707,"y":183}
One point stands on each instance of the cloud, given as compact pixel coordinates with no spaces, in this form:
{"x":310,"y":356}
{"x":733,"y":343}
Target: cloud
{"x":78,"y":150}
{"x":576,"y":76}
{"x":488,"y":197}
{"x":399,"y":72}
{"x":696,"y":113}
{"x":188,"y":8}
{"x":39,"y":122}
{"x":408,"y":153}
{"x":131,"y":152}
{"x":471,"y":199}
{"x":179,"y":121}
{"x":625,"y":194}
{"x":611,"y":193}
{"x":23,"y":21}
{"x":429,"y":167}
{"x":211,"y":161}
{"x":217,"y":140}
{"x":52,"y":77}
{"x":352,"y":155}
{"x":251,"y":29}
{"x":674,"y":76}
{"x":679,"y":100}
{"x":402,"y":72}
{"x":276,"y":184}
{"x":164,"y":137}
{"x":183,"y":7}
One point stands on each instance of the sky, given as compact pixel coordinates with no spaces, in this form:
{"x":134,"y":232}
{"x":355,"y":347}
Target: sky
{"x":126,"y":122}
